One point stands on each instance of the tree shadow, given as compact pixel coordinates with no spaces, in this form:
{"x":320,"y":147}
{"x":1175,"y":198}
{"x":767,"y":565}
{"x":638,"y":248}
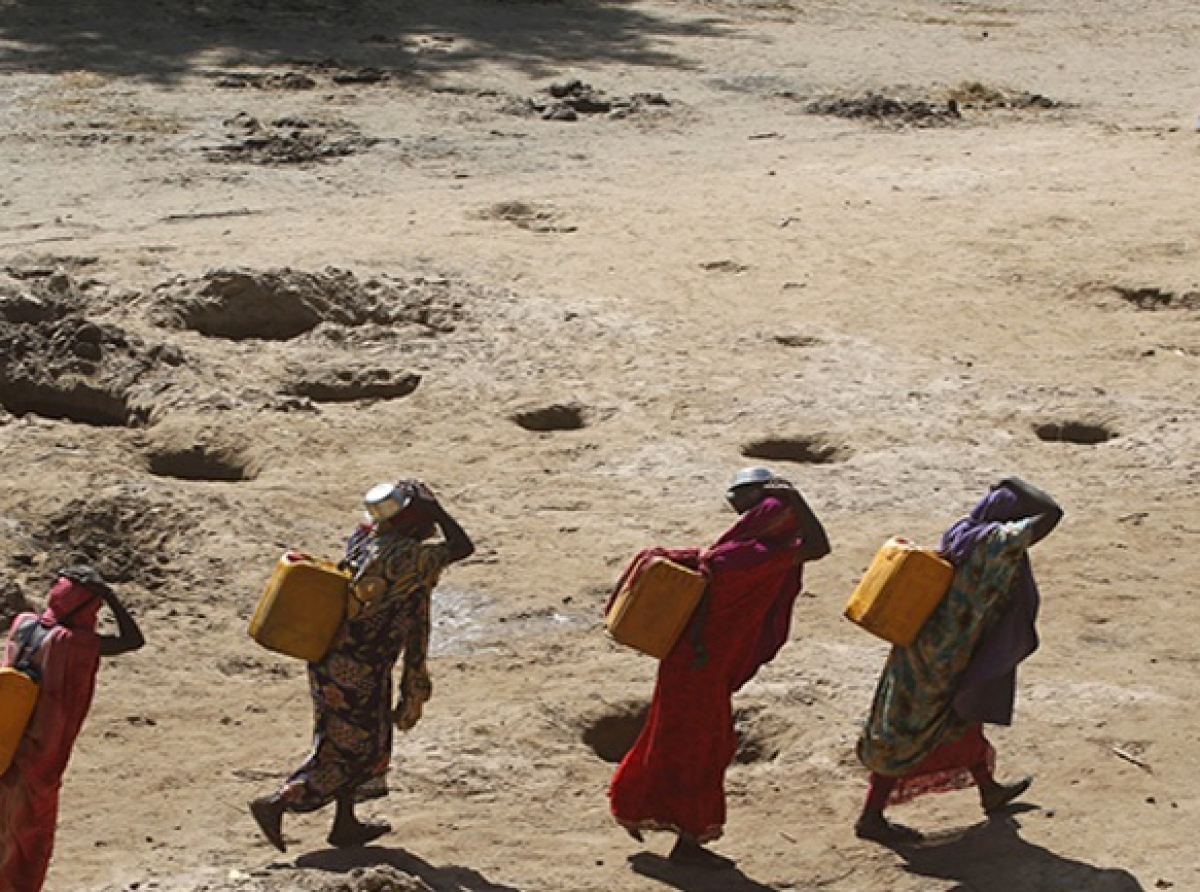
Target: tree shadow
{"x":694,"y":879}
{"x":992,"y":857}
{"x":441,"y":879}
{"x":162,"y":40}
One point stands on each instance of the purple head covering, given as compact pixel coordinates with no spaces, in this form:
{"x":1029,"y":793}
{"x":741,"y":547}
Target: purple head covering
{"x":998,"y":506}
{"x":988,"y":687}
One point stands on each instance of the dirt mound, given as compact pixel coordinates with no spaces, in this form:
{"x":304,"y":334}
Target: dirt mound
{"x":287,"y":141}
{"x":125,"y":533}
{"x":60,"y":364}
{"x":880,"y":108}
{"x":906,"y":107}
{"x":281,"y":304}
{"x":567,"y":100}
{"x":350,"y":383}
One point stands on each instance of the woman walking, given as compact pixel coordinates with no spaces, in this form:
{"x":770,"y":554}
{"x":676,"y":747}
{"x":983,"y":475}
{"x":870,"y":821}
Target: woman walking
{"x":673,"y":778}
{"x":925,"y":730}
{"x":63,"y":647}
{"x":395,"y":570}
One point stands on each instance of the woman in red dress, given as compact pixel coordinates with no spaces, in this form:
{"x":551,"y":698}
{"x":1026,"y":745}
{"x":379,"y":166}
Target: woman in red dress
{"x":673,"y":778}
{"x":67,"y":656}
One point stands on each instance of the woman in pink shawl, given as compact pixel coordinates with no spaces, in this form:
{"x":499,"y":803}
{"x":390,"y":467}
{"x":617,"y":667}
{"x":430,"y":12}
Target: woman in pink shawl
{"x":673,"y":778}
{"x":67,"y":658}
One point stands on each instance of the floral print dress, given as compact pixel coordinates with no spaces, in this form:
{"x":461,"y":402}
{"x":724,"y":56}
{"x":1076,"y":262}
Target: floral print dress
{"x":912,"y":713}
{"x":351,"y":686}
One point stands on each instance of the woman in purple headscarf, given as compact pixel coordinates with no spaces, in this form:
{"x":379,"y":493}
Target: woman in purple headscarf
{"x":925,"y":730}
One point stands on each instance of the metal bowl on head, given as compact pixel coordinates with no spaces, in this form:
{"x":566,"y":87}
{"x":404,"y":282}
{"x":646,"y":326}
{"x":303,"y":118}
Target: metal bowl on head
{"x":385,"y":500}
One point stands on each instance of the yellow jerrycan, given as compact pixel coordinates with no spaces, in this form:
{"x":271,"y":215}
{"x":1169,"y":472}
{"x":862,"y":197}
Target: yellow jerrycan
{"x":654,"y":606}
{"x":18,"y":697}
{"x":901,"y":588}
{"x":301,"y":608}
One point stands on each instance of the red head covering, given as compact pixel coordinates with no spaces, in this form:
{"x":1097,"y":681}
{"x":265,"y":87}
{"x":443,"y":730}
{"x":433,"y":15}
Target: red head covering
{"x":71,"y":604}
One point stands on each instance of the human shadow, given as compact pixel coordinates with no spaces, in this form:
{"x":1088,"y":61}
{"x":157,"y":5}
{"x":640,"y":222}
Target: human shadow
{"x":451,"y":878}
{"x":694,"y":879}
{"x":416,"y":39}
{"x":992,"y":857}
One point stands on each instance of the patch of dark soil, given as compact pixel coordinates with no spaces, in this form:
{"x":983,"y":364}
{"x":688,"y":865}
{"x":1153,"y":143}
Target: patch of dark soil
{"x":43,"y":266}
{"x":254,"y":667}
{"x":798,"y":340}
{"x":125,"y":535}
{"x":534,"y":218}
{"x":287,"y":141}
{"x":281,"y":304}
{"x":264,"y":80}
{"x":1158,"y":298}
{"x":1079,"y":433}
{"x":802,"y":450}
{"x":347,"y":385}
{"x":977,"y":96}
{"x":299,"y":80}
{"x":567,"y":100}
{"x":554,"y":417}
{"x":879,"y":108}
{"x":57,"y":363}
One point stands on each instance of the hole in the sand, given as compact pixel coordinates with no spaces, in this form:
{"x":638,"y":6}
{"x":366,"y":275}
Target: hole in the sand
{"x":612,"y":735}
{"x":797,"y":340}
{"x":759,"y":735}
{"x":803,"y":450}
{"x":201,"y":463}
{"x":78,"y":402}
{"x":1082,"y":433}
{"x":556,"y":417}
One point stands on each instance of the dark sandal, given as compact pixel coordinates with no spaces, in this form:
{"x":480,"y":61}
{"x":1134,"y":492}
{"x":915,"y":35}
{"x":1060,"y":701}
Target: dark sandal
{"x":1006,"y":793}
{"x":359,"y":836}
{"x":269,"y":818}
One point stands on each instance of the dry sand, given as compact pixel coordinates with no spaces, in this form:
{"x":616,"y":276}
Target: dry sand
{"x":258,"y":256}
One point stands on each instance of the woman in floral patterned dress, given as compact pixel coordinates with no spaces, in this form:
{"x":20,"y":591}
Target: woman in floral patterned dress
{"x":395,"y":570}
{"x":925,"y":730}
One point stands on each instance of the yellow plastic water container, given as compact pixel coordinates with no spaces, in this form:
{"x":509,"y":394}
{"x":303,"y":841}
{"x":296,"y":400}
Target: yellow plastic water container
{"x":900,"y":589}
{"x":654,"y":606}
{"x":302,"y":607}
{"x":18,"y":697}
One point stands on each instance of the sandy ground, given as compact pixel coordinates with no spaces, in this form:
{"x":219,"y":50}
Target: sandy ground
{"x":258,"y":256}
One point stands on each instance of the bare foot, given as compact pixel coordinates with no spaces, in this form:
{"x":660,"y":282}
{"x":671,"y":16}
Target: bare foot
{"x":268,"y":813}
{"x":354,"y":835}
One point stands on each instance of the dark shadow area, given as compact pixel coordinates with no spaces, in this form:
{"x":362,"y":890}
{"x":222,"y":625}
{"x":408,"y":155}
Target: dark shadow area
{"x":992,"y":857}
{"x":418,"y":39}
{"x":440,"y":879}
{"x":694,"y":879}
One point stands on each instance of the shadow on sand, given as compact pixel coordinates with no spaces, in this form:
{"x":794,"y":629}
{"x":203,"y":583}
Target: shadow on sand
{"x":419,"y":39}
{"x":694,"y":879}
{"x":440,"y":879}
{"x":992,"y":857}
